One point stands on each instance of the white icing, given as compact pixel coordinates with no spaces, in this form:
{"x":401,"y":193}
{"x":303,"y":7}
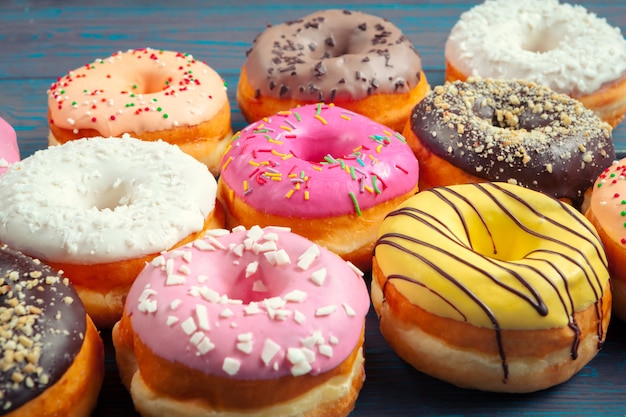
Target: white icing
{"x":82,"y":201}
{"x":561,"y":46}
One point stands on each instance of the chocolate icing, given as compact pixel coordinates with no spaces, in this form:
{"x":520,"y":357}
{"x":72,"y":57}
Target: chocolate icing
{"x":401,"y":241}
{"x":332,"y":55}
{"x":515,"y":131}
{"x":42,"y":327}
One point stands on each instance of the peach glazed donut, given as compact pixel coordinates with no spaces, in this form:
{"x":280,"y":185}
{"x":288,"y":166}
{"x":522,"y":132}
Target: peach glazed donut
{"x":9,"y":150}
{"x":491,"y":286}
{"x":150,"y":94}
{"x":256,"y":322}
{"x":561,"y":46}
{"x":100,"y":208}
{"x":52,"y":361}
{"x":510,"y":131}
{"x":606,"y":209}
{"x":326,"y":173}
{"x":358,"y":61}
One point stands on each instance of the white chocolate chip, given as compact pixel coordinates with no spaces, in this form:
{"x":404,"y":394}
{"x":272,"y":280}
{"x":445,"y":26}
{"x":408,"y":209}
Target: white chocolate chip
{"x":319,"y":276}
{"x":326,"y":310}
{"x":270,"y":349}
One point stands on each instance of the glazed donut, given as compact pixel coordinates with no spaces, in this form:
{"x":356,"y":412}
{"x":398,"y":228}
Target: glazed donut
{"x":150,"y":94}
{"x":327,"y":173}
{"x":511,"y":131}
{"x":360,"y":62}
{"x":52,"y":361}
{"x":255,"y":322}
{"x":491,"y":286}
{"x":114,"y":205}
{"x":552,"y":44}
{"x":9,"y":150}
{"x":606,"y":210}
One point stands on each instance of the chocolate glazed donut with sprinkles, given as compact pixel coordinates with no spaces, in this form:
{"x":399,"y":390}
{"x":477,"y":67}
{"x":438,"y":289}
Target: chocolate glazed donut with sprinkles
{"x":327,"y":173}
{"x":52,"y":360}
{"x":361,"y":62}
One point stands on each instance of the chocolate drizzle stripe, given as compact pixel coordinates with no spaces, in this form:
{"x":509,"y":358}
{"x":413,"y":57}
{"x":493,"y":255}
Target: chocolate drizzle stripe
{"x":462,"y":218}
{"x":421,"y":284}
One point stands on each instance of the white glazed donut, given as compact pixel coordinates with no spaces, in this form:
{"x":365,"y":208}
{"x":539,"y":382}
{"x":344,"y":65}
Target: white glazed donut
{"x":97,"y":208}
{"x":257,"y":322}
{"x":553,"y":44}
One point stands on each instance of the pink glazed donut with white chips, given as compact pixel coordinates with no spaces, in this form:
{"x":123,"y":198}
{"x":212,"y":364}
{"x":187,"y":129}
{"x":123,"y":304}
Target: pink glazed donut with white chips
{"x":9,"y":151}
{"x":256,"y":321}
{"x":328,"y":174}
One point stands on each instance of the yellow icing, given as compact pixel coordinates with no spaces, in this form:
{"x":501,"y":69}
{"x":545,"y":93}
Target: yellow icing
{"x":483,"y":290}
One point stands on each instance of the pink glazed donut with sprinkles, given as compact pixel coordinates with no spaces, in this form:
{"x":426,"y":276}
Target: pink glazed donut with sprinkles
{"x":9,"y":151}
{"x":605,"y":207}
{"x":327,"y":173}
{"x":258,"y":322}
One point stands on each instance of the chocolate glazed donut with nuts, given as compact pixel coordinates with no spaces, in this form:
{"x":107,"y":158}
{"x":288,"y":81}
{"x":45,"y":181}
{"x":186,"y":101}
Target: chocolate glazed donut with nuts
{"x":512,"y":131}
{"x":361,"y":62}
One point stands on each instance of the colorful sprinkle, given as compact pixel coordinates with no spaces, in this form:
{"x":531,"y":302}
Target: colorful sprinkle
{"x":357,"y":209}
{"x":321,"y":119}
{"x":375,"y":185}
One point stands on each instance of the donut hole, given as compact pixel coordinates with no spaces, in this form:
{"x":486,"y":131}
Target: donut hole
{"x":256,"y":287}
{"x":542,"y":40}
{"x":151,"y":82}
{"x":334,"y":144}
{"x":111,"y":196}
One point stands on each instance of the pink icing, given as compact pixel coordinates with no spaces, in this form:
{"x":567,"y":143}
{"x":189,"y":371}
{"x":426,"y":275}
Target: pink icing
{"x":318,"y":161}
{"x":136,"y":91}
{"x":252,"y":304}
{"x":9,"y":151}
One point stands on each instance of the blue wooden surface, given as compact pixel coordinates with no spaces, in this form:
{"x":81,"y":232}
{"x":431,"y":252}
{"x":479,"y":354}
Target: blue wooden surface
{"x":41,"y":40}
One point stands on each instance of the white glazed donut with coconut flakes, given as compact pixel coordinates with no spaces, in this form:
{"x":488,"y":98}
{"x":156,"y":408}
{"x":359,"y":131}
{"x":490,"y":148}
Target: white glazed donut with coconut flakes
{"x":247,"y":307}
{"x":100,"y":208}
{"x":95,"y":200}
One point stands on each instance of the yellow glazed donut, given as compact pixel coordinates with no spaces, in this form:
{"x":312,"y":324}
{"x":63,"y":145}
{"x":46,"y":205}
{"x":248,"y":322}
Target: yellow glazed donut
{"x":150,"y":94}
{"x":491,"y":286}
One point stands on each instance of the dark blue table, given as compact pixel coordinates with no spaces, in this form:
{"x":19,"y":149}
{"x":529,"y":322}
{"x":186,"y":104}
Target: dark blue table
{"x":42,"y":39}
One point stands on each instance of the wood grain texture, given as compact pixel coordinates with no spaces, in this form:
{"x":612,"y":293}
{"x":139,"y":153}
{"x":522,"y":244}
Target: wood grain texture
{"x":43,"y":39}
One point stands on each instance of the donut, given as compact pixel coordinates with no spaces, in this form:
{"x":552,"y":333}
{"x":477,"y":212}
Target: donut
{"x":606,"y":211}
{"x":325,"y":172}
{"x":100,"y":208}
{"x":249,"y":322}
{"x":9,"y":150}
{"x":509,"y":131}
{"x":358,"y":61}
{"x":150,"y":94}
{"x":491,"y":286}
{"x":52,"y":361}
{"x":552,"y":44}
